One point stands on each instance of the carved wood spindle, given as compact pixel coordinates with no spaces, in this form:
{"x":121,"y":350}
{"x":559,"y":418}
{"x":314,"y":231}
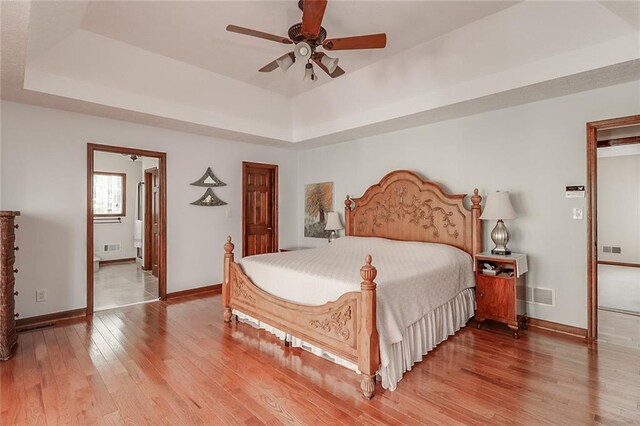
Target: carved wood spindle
{"x":477,"y":223}
{"x":226,"y":283}
{"x":347,"y":216}
{"x":368,"y":348}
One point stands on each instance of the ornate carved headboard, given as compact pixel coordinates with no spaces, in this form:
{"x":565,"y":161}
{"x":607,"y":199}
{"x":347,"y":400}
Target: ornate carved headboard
{"x":405,"y":207}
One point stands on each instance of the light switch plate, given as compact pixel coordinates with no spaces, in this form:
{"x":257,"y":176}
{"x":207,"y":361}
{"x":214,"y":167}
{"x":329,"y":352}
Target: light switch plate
{"x":41,"y":295}
{"x":577,"y":213}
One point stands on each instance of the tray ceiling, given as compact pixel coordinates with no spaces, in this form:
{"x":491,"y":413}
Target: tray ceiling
{"x":194,"y":32}
{"x":173,"y":65}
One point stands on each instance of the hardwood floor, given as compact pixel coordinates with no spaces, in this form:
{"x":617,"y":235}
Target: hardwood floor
{"x":121,"y":284}
{"x":177,"y":363}
{"x":619,"y":328}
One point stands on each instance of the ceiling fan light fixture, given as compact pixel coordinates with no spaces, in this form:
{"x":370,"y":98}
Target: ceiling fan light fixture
{"x":285,"y":62}
{"x":309,"y":74}
{"x":303,"y":51}
{"x":330,"y":63}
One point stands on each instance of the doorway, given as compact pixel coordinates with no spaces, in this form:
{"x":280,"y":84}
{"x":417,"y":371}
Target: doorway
{"x":610,"y":276}
{"x":126,"y":232}
{"x":259,"y":208}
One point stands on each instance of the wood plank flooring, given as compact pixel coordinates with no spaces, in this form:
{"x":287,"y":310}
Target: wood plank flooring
{"x":177,"y":363}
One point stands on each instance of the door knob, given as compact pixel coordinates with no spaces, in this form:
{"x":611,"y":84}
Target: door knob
{"x":482,"y":294}
{"x":269,"y":229}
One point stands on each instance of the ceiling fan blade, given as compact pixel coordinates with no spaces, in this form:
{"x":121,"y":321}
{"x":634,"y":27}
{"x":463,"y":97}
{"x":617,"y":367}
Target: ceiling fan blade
{"x":269,"y":67}
{"x":259,"y":34}
{"x":371,"y":41}
{"x":312,"y":14}
{"x":274,"y":64}
{"x":317,"y":58}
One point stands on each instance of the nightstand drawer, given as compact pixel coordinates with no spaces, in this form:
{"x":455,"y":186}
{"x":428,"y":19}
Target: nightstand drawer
{"x":495,"y":297}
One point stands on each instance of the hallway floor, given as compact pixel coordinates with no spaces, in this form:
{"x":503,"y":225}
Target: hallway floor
{"x":619,"y":288}
{"x":619,"y":328}
{"x":123,"y":284}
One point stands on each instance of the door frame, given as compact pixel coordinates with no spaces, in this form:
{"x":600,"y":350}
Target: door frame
{"x":274,"y":211}
{"x":162,"y":171}
{"x":147,"y":263}
{"x":592,"y":215}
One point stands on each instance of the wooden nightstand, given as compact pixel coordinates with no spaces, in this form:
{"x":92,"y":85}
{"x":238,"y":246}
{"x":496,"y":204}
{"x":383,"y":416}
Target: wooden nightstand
{"x":502,"y":297}
{"x":286,"y":249}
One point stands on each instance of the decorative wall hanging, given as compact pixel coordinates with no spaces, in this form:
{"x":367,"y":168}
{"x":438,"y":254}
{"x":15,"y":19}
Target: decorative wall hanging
{"x":318,"y":201}
{"x":209,"y":180}
{"x":209,"y":199}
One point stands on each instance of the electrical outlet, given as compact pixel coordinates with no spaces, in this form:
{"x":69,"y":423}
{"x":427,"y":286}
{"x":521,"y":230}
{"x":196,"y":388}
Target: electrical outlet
{"x":229,"y":213}
{"x":41,"y":295}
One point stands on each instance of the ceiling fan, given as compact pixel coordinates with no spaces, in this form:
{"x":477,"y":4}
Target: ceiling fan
{"x":308,"y":36}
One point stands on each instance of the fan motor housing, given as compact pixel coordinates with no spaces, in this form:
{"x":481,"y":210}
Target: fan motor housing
{"x":295,"y":35}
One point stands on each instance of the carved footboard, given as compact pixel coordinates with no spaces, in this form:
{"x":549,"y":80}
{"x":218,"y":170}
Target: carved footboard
{"x":345,"y":327}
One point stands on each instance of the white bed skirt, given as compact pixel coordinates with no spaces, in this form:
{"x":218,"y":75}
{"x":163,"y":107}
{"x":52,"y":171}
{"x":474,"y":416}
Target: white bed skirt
{"x":417,"y":339}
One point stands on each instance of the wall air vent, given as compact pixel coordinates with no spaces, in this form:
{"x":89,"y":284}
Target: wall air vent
{"x":616,"y":250}
{"x":606,"y":249}
{"x":111,"y":247}
{"x":544,"y":296}
{"x":537,"y":295}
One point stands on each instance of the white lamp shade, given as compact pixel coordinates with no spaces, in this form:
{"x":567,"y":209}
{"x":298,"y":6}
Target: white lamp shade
{"x":333,"y":222}
{"x":497,"y":207}
{"x":330,"y":63}
{"x":309,"y":75}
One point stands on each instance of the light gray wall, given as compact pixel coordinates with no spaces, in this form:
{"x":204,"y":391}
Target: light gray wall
{"x":619,"y":207}
{"x":533,"y":151}
{"x":44,"y":176}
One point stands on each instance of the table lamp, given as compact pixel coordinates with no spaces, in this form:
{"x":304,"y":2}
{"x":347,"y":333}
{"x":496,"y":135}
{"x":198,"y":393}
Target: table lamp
{"x":333,"y":225}
{"x":498,"y":207}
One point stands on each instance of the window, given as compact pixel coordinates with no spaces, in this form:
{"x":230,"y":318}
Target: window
{"x":109,"y":194}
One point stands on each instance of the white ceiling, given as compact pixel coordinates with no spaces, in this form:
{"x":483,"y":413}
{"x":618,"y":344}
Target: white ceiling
{"x":194,"y":32}
{"x":172,"y":64}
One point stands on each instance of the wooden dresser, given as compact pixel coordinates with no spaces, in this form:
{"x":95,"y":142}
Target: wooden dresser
{"x":8,"y":335}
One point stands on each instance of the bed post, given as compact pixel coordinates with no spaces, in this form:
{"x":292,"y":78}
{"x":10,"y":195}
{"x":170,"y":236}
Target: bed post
{"x":347,"y":216}
{"x":226,"y":283}
{"x":477,"y":223}
{"x":368,"y":343}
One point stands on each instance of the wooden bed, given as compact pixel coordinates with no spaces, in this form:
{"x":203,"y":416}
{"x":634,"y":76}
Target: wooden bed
{"x":403,"y":206}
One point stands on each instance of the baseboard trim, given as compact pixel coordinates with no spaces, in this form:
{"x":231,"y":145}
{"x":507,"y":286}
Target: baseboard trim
{"x":214,"y":288}
{"x":612,"y":263}
{"x":49,"y":319}
{"x":557,"y":327}
{"x":114,"y":261}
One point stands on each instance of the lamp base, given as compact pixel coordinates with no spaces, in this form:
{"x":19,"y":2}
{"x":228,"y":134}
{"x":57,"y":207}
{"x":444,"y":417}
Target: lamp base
{"x":501,"y":251}
{"x":500,"y":237}
{"x":333,"y":235}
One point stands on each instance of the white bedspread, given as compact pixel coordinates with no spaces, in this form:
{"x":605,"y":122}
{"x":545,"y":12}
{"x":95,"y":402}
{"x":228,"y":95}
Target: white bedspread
{"x":413,"y":278}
